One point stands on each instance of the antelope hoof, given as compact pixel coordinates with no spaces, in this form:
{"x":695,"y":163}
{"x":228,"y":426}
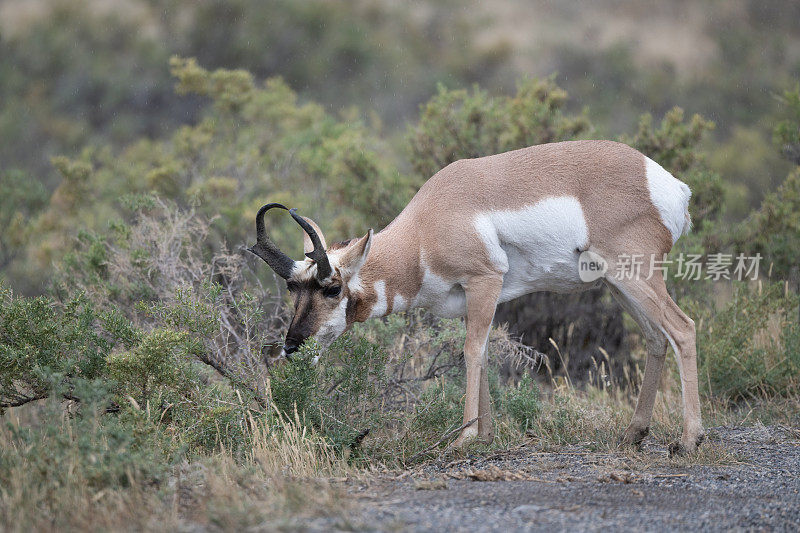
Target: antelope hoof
{"x":468,"y":436}
{"x":686,"y":446}
{"x":634,"y":436}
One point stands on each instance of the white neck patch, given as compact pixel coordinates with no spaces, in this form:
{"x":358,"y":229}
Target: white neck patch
{"x":381,"y":305}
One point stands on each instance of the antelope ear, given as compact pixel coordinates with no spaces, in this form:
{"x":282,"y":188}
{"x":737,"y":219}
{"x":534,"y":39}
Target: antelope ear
{"x":354,"y":257}
{"x":308,"y":246}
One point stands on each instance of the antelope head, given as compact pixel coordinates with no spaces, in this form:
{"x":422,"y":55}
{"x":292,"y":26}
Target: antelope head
{"x":320,"y":284}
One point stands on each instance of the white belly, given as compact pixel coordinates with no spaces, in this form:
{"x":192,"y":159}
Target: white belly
{"x":537,"y":247}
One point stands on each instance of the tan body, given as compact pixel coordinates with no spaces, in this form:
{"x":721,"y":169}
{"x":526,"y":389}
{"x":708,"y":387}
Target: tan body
{"x":486,"y":230}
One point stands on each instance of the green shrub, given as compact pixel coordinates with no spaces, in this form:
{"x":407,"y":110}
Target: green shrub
{"x":157,"y":361}
{"x":340,"y":395}
{"x":294,"y":385}
{"x":103,"y":361}
{"x":440,"y":408}
{"x":101,"y":453}
{"x":354,"y":373}
{"x":774,"y":230}
{"x":461,"y":124}
{"x":749,"y":349}
{"x":787,"y":132}
{"x":522,"y":403}
{"x":47,"y":348}
{"x":21,"y":199}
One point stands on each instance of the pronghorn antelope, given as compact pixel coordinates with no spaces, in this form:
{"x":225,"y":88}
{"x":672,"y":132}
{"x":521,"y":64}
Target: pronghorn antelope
{"x":487,"y":230}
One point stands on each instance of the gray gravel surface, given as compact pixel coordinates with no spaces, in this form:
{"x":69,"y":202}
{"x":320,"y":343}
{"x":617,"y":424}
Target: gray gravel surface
{"x":756,"y":488}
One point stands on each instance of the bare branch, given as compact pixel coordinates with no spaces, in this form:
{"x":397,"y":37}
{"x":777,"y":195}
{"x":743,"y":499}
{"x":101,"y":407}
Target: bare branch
{"x":22,"y":400}
{"x":436,"y":444}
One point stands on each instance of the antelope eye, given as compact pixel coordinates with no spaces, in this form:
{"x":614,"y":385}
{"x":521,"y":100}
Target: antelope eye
{"x":332,"y":292}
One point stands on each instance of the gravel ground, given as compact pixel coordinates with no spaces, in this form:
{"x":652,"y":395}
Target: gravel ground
{"x":757,"y":488}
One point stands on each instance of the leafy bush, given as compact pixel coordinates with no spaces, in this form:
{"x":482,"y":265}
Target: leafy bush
{"x":774,"y":230}
{"x":72,"y":352}
{"x":462,"y":124}
{"x":152,"y":269}
{"x":522,"y":402}
{"x":63,"y":452}
{"x":155,"y":361}
{"x":256,"y":143}
{"x":440,"y":409}
{"x":145,"y":316}
{"x":787,"y":132}
{"x":749,"y":349}
{"x":293,"y":389}
{"x":46,"y":348}
{"x":21,"y":200}
{"x":340,"y":396}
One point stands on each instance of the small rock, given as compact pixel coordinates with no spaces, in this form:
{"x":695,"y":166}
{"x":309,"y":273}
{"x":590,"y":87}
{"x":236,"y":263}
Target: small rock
{"x":430,"y":484}
{"x":528,"y":509}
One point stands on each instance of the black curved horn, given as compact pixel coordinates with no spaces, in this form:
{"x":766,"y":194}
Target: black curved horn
{"x":264,"y":248}
{"x":318,"y":254}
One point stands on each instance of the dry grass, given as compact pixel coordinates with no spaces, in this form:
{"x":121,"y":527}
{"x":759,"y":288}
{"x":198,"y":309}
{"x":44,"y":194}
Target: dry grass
{"x":285,"y":479}
{"x":594,"y":417}
{"x":26,"y":504}
{"x":294,"y":451}
{"x":288,"y":473}
{"x":223,"y":494}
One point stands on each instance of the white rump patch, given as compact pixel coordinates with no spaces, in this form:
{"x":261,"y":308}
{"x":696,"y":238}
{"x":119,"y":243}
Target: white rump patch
{"x":671,"y":198}
{"x":536,"y":247}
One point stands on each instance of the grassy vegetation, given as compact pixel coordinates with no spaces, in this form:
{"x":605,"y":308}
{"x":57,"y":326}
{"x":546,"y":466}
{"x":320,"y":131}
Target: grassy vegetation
{"x":74,"y":473}
{"x":138,"y":387}
{"x":140,"y":379}
{"x":104,"y":459}
{"x":147,"y":425}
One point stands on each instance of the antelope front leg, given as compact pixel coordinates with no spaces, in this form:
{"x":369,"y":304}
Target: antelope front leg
{"x":485,"y":424}
{"x":482,"y":295}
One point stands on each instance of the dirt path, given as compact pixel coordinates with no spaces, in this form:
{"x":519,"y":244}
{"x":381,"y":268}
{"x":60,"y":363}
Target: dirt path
{"x":522,"y":490}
